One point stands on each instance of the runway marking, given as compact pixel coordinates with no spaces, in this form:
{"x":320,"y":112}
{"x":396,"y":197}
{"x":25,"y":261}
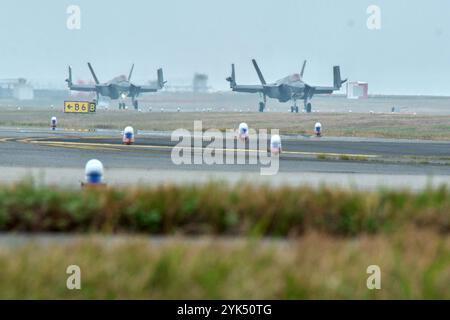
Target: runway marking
{"x":26,"y":140}
{"x":99,"y":144}
{"x":80,"y":147}
{"x":111,"y":146}
{"x":78,"y":130}
{"x":99,"y":137}
{"x":330,"y":154}
{"x":31,"y":140}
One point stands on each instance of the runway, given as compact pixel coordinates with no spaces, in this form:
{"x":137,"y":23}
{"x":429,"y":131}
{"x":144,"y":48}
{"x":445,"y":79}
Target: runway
{"x":43,"y":148}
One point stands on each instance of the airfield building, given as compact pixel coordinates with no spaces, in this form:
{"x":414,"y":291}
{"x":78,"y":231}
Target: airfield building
{"x":18,"y":89}
{"x":200,"y":83}
{"x":357,"y":90}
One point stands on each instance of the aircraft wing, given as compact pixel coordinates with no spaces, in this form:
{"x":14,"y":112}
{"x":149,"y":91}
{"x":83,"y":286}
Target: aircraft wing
{"x":338,"y":82}
{"x":154,"y":87}
{"x":83,"y":87}
{"x":324,"y":90}
{"x":143,"y":89}
{"x":248,"y":88}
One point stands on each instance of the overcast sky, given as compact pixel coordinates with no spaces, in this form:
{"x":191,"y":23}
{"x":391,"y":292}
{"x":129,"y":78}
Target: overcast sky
{"x":410,"y":54}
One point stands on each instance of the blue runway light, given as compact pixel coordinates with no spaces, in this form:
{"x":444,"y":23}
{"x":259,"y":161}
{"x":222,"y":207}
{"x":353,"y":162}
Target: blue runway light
{"x":94,"y":172}
{"x":53,"y":123}
{"x":128,"y":135}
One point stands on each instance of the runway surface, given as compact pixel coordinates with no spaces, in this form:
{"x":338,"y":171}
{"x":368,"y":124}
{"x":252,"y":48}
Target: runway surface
{"x":43,"y":148}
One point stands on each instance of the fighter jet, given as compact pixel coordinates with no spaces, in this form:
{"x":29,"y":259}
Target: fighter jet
{"x":290,"y":88}
{"x":118,"y":88}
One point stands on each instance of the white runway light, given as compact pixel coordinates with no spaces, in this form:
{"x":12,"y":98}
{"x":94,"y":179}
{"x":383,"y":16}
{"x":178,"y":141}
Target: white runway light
{"x":128,"y":135}
{"x":243,"y":131}
{"x":94,"y":172}
{"x":275,"y":144}
{"x":53,"y":123}
{"x":318,"y":129}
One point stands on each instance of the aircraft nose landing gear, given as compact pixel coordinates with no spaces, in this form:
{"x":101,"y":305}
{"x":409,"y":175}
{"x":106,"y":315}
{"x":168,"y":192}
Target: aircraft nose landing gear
{"x":294,"y":108}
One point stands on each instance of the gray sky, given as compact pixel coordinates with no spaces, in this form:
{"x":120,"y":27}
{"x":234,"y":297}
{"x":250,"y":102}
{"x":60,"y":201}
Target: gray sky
{"x":409,"y":55}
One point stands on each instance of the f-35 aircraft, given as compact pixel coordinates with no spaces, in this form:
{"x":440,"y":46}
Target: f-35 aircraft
{"x":118,"y":88}
{"x":290,"y":88}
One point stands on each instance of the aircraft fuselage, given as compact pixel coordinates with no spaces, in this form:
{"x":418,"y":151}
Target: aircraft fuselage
{"x":117,"y":90}
{"x":285,"y":92}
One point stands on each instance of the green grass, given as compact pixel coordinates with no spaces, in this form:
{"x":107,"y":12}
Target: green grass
{"x":221,"y":209}
{"x":414,"y":265}
{"x":317,"y":243}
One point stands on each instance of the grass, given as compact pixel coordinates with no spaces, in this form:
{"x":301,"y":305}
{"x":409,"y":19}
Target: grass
{"x":218,"y":241}
{"x":351,"y":125}
{"x":414,"y":264}
{"x":221,"y":209}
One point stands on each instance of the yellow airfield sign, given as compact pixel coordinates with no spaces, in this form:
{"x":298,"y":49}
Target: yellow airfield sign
{"x":79,"y":107}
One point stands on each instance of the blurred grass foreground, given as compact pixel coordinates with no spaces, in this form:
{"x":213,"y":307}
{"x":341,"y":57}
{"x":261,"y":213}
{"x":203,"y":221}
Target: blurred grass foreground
{"x":223,"y":241}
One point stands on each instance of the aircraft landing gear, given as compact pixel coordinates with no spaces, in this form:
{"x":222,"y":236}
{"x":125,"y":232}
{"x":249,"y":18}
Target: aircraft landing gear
{"x":135,"y":104}
{"x":308,"y":106}
{"x":262,"y":106}
{"x":294,"y":108}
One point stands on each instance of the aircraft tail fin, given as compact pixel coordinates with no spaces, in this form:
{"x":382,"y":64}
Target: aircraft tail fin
{"x":303,"y":69}
{"x":232,"y":78}
{"x":337,"y":78}
{"x":69,"y":79}
{"x":93,"y":73}
{"x":258,"y":71}
{"x":131,"y":72}
{"x":161,"y":81}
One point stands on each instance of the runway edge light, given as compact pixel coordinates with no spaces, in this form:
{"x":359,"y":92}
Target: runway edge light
{"x":128,"y":135}
{"x":94,"y":173}
{"x":243,"y":131}
{"x":275,"y":144}
{"x":53,"y":123}
{"x":318,"y":129}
